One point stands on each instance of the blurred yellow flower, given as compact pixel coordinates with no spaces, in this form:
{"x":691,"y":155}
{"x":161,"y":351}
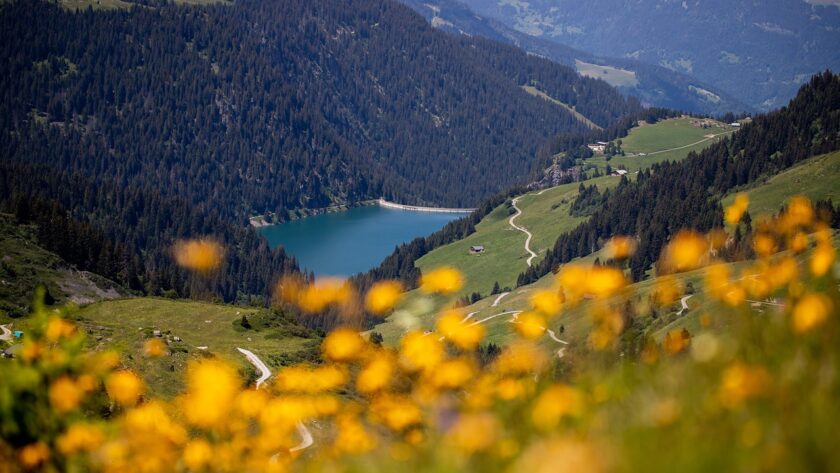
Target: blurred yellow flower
{"x":530,"y":325}
{"x":451,"y":374}
{"x":573,"y":278}
{"x":798,"y":213}
{"x":561,"y":456}
{"x":316,"y":297}
{"x":80,"y":437}
{"x":154,"y":347}
{"x":376,"y":374}
{"x":302,"y":378}
{"x":676,"y":341}
{"x":197,"y":454}
{"x":420,"y":352}
{"x":764,"y":244}
{"x":383,"y":296}
{"x":811,"y":311}
{"x":58,"y":328}
{"x":666,"y":289}
{"x":553,"y":404}
{"x":521,"y":358}
{"x":604,"y":281}
{"x":474,"y":432}
{"x":212,"y":386}
{"x":33,"y":455}
{"x":444,"y":280}
{"x":546,"y":301}
{"x":201,"y":255}
{"x":742,"y":382}
{"x":65,"y":395}
{"x":124,"y":387}
{"x":398,"y":413}
{"x":822,"y":259}
{"x":687,"y":250}
{"x":620,"y":247}
{"x":343,"y":344}
{"x":509,"y":389}
{"x":733,"y":213}
{"x":463,"y":335}
{"x":352,"y":436}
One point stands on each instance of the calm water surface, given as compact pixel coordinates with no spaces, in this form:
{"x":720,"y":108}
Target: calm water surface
{"x":352,"y":241}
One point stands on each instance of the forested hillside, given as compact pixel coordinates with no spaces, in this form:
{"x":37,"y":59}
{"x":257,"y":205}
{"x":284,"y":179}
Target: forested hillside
{"x":760,"y":51}
{"x":653,"y":84}
{"x":671,"y":196}
{"x":146,"y":125}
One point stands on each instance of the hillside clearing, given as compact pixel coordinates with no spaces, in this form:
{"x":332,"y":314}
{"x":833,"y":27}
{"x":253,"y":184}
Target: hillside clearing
{"x":580,"y":117}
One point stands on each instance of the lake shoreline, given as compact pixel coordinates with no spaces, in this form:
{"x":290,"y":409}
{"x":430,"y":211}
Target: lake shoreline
{"x":260,"y":221}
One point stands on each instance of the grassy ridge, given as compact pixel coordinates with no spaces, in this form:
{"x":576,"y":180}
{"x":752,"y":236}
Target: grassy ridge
{"x":660,"y":137}
{"x":817,"y":178}
{"x":126,"y":324}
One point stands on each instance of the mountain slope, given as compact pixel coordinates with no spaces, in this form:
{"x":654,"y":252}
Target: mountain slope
{"x":759,"y":51}
{"x":653,"y":84}
{"x":284,"y":104}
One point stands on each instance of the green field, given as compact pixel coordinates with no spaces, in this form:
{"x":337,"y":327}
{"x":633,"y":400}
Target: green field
{"x":127,"y":323}
{"x":667,"y":140}
{"x":545,"y":215}
{"x":816,"y":178}
{"x":612,"y":75}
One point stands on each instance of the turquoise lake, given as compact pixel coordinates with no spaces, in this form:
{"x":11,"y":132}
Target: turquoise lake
{"x":352,"y":241}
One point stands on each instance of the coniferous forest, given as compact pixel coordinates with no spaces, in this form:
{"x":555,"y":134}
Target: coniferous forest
{"x":157,"y":123}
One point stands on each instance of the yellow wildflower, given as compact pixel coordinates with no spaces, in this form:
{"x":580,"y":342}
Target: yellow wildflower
{"x":620,"y":247}
{"x":811,"y":311}
{"x":520,"y":358}
{"x":200,"y":255}
{"x":687,"y":250}
{"x":343,"y":344}
{"x":741,"y":382}
{"x":764,"y":244}
{"x":58,"y":328}
{"x":311,"y":380}
{"x":547,"y":302}
{"x":65,"y":394}
{"x":154,"y":347}
{"x":79,"y":438}
{"x":666,"y":289}
{"x":604,"y":281}
{"x":198,"y":453}
{"x":733,"y":213}
{"x":451,"y":374}
{"x":420,"y":352}
{"x":352,"y":436}
{"x":676,"y":341}
{"x":553,"y":404}
{"x":573,"y":278}
{"x":463,"y":335}
{"x":124,"y":387}
{"x":822,"y":259}
{"x":211,"y":389}
{"x":376,"y":374}
{"x":530,"y":325}
{"x":323,"y":293}
{"x":443,"y":280}
{"x":561,"y":455}
{"x":398,"y":413}
{"x":474,"y":432}
{"x":383,"y":296}
{"x":33,"y":455}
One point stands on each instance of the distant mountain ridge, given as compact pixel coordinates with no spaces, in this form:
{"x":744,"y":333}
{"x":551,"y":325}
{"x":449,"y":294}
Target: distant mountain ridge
{"x":655,"y":85}
{"x":760,"y":51}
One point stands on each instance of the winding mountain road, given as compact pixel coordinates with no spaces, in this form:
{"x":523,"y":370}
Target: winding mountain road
{"x":499,"y":299}
{"x":523,"y":230}
{"x":7,"y":334}
{"x":265,"y":373}
{"x":684,"y":304}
